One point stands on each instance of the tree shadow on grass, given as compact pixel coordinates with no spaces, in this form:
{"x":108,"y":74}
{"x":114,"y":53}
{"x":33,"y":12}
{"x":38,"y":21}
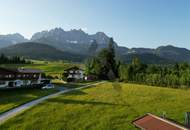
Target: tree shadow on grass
{"x":118,"y":91}
{"x":83,"y":102}
{"x":75,"y":92}
{"x":72,"y":85}
{"x":117,"y":87}
{"x":21,"y":95}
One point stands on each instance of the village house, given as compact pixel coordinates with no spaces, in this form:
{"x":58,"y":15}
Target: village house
{"x":74,"y":74}
{"x":153,"y":122}
{"x":19,"y":77}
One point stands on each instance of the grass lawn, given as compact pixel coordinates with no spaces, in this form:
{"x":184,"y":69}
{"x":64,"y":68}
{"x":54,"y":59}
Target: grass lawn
{"x":12,"y":98}
{"x":105,"y":107}
{"x":49,"y":67}
{"x":15,"y":97}
{"x":79,"y":84}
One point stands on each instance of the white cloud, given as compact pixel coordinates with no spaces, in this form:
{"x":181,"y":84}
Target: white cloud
{"x":84,"y":29}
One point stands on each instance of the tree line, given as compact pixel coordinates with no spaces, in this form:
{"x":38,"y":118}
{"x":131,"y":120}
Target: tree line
{"x":105,"y":66}
{"x":13,"y":60}
{"x":175,"y":76}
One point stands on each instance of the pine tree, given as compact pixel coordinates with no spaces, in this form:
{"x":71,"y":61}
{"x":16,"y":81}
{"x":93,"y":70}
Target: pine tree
{"x":104,"y":65}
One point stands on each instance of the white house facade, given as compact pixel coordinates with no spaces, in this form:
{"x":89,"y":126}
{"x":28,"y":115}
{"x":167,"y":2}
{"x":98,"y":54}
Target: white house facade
{"x":74,"y":73}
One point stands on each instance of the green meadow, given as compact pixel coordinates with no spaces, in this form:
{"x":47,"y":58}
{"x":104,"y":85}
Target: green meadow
{"x":48,"y":67}
{"x":14,"y":97}
{"x":104,"y":107}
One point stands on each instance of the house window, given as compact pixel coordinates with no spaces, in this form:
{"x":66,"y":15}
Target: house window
{"x":19,"y":76}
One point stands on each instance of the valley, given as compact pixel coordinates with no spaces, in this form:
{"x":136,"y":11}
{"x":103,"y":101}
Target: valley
{"x":95,"y":65}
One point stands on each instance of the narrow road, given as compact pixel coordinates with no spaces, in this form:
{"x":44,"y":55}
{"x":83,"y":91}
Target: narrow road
{"x":13,"y":112}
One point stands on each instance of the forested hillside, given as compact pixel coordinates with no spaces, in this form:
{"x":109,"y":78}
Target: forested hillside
{"x":39,"y":51}
{"x":13,"y":60}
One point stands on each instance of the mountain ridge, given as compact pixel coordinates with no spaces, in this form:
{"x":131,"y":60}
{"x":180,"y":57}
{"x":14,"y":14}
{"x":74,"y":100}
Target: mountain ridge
{"x":78,"y":42}
{"x":42,"y":52}
{"x":10,"y":39}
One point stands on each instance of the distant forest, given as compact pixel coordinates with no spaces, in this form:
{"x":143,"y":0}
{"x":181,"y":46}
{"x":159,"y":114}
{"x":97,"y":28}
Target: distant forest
{"x":176,"y":76}
{"x":105,"y":66}
{"x":13,"y":60}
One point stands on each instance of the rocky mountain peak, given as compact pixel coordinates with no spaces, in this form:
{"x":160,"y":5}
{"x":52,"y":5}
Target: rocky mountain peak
{"x":57,"y":30}
{"x":73,"y":36}
{"x":101,"y":34}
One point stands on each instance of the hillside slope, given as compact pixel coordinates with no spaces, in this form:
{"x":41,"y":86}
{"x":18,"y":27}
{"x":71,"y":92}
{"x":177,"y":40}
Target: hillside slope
{"x":146,"y":58}
{"x":11,"y":39}
{"x":174,"y":53}
{"x":39,"y":51}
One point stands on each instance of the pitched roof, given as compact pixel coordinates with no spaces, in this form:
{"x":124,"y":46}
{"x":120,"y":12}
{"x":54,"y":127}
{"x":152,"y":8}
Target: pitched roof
{"x":21,"y":70}
{"x":152,"y":122}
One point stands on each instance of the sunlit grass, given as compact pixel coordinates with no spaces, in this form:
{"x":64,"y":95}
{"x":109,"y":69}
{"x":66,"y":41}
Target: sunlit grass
{"x":55,"y":68}
{"x":107,"y":106}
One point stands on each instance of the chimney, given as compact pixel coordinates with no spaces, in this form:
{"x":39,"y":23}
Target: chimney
{"x":187,"y":119}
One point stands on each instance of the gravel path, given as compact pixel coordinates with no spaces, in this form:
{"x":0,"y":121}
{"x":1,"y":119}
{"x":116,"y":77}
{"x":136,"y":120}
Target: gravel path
{"x":7,"y":115}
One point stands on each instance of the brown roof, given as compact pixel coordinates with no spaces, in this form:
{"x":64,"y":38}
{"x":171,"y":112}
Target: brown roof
{"x":21,"y":70}
{"x":152,"y":122}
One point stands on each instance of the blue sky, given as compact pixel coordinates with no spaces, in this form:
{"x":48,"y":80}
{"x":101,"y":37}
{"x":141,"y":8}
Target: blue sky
{"x":132,"y":23}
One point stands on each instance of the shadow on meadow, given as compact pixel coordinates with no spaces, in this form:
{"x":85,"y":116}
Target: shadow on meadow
{"x":8,"y":96}
{"x":75,"y":93}
{"x":72,"y":85}
{"x":117,"y":87}
{"x":83,"y":102}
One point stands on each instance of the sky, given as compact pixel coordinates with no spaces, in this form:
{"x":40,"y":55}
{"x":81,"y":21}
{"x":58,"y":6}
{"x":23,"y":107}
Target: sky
{"x":132,"y":23}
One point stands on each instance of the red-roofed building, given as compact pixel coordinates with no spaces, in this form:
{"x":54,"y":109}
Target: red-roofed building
{"x":152,"y":122}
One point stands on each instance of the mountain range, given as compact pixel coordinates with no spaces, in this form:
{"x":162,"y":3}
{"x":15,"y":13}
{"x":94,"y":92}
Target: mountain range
{"x":11,"y":39}
{"x":32,"y":50}
{"x":74,"y":45}
{"x":75,"y":41}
